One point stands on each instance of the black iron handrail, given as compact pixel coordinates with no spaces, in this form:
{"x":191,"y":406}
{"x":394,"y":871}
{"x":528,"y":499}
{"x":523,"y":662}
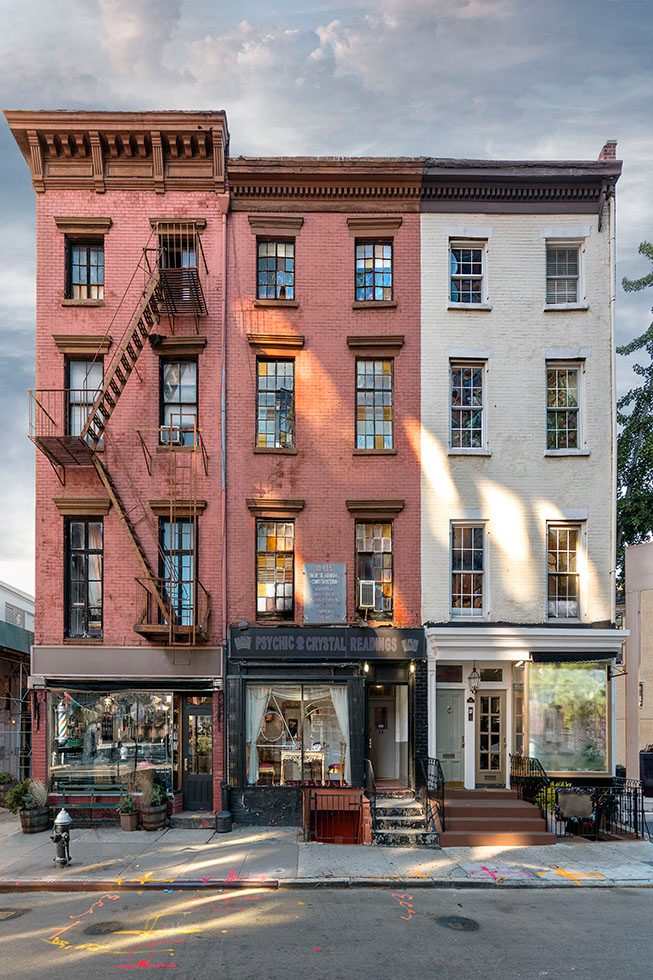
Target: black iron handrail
{"x":370,"y":790}
{"x":433,"y":788}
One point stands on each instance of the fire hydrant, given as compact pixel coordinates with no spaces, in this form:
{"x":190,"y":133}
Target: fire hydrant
{"x":60,"y":837}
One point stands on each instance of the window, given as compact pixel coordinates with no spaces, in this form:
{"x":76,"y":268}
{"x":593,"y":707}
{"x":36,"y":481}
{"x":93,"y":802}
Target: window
{"x":177,"y":567}
{"x":177,"y":247}
{"x":568,"y":710}
{"x":491,"y":674}
{"x":297,"y":733}
{"x":373,"y":272}
{"x":562,"y":406}
{"x":374,"y":409}
{"x":275,"y":569}
{"x":448,"y":673}
{"x":467,"y":569}
{"x":562,"y":274}
{"x":14,"y":615}
{"x":84,"y":269}
{"x":466,"y":272}
{"x":466,"y":429}
{"x":83,"y":382}
{"x":178,"y":402}
{"x":84,"y":576}
{"x":563,"y":575}
{"x":275,"y":404}
{"x":106,"y":737}
{"x":374,"y":564}
{"x":275,"y":269}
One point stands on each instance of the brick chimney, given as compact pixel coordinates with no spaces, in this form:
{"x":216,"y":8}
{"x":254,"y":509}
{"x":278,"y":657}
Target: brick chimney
{"x":609,"y":151}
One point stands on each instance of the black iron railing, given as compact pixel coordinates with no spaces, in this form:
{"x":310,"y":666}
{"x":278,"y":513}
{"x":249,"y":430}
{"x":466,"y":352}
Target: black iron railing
{"x":370,"y":790}
{"x":612,"y":809}
{"x":334,"y":818}
{"x":432,"y":792}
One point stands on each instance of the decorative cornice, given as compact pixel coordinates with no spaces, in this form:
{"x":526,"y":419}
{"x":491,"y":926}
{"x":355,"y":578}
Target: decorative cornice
{"x":271,"y":507}
{"x":169,"y":346}
{"x":84,"y":225}
{"x":123,"y":150}
{"x":375,"y":509}
{"x":376,"y":343}
{"x":70,"y":343}
{"x":374,"y":226}
{"x":82,"y":506}
{"x":180,"y":508}
{"x":274,"y":340}
{"x":519,"y":640}
{"x":275,"y":226}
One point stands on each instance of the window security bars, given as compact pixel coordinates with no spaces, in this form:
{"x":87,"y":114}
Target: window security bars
{"x":374,"y":408}
{"x":562,"y":270}
{"x":275,"y":568}
{"x":563,"y":576}
{"x":275,"y":270}
{"x":466,"y":274}
{"x":467,"y":570}
{"x":466,"y":406}
{"x":84,"y":566}
{"x":85,"y":270}
{"x":373,"y":272}
{"x":374,"y":563}
{"x":178,"y":402}
{"x":275,"y":408}
{"x":562,"y":401}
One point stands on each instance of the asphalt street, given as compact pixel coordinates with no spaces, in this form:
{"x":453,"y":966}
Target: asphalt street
{"x":333,"y":934}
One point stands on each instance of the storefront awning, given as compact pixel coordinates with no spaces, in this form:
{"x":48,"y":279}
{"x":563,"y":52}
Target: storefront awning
{"x":571,"y":656}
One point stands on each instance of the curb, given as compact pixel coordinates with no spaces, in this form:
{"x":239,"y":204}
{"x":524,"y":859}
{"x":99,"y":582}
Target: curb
{"x":103,"y":885}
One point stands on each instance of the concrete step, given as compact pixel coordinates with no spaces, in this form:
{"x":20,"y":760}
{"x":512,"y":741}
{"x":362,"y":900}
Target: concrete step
{"x":452,"y":838}
{"x":398,"y":809}
{"x":394,"y":794}
{"x":405,"y":838}
{"x":193,"y":820}
{"x":415,"y":822}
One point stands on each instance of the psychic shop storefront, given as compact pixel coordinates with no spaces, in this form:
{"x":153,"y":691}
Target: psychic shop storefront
{"x":307,"y":706}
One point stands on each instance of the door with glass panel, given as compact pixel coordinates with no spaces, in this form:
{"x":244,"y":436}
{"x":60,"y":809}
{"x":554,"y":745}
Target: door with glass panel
{"x":177,"y":567}
{"x":491,"y":738}
{"x":197,"y":752}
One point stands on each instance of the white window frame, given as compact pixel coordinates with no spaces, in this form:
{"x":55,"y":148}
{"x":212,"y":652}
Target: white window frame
{"x":581,"y":564}
{"x":469,"y":362}
{"x":459,"y":614}
{"x":576,"y":243}
{"x":469,"y":243}
{"x":552,"y":364}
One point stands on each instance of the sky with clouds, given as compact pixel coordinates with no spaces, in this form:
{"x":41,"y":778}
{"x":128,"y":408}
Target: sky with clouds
{"x":465,"y":78}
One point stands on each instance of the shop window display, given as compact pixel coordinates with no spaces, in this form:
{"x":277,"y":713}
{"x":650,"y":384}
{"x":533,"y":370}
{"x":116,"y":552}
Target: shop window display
{"x":297,"y":734}
{"x":108,"y":738}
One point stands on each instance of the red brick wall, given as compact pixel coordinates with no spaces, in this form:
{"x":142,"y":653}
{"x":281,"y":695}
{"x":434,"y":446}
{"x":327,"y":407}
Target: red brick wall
{"x":324,"y":473}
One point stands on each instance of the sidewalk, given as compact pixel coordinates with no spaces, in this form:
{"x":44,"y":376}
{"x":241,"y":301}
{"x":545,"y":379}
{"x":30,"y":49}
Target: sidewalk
{"x":277,"y":857}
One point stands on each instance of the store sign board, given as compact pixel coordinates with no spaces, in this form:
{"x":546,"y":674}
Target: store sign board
{"x":325,"y":592}
{"x":327,"y":643}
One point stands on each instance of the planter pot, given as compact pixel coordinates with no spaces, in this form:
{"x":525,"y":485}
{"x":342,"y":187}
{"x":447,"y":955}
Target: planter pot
{"x":4,"y":789}
{"x":129,"y":821}
{"x":35,"y":821}
{"x":154,"y":817}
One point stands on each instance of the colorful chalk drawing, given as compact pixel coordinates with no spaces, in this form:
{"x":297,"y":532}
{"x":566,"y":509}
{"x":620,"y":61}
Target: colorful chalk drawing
{"x":577,"y":877}
{"x":406,"y":902}
{"x":500,"y":875}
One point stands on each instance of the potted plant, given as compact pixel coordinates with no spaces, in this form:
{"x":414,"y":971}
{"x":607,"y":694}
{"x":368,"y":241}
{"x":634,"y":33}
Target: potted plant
{"x":29,"y":800}
{"x":7,"y":781}
{"x":154,"y":806}
{"x":128,"y":812}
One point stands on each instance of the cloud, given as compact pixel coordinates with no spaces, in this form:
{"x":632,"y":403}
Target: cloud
{"x":136,"y":33}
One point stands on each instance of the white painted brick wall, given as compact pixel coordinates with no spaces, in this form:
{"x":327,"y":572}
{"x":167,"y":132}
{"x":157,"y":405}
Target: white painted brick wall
{"x":516,"y":489}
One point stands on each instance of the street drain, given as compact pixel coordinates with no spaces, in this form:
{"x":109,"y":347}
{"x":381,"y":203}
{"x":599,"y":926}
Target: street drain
{"x":12,"y":913}
{"x":458,"y":922}
{"x":104,"y":928}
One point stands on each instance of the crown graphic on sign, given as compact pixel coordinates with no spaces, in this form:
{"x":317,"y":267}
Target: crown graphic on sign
{"x":243,"y":643}
{"x":410,"y":646}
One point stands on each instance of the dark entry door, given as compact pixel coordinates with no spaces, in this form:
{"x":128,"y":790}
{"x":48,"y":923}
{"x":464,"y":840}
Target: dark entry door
{"x":197,"y":752}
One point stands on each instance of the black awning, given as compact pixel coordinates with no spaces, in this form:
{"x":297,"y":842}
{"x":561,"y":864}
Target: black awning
{"x":144,"y":685}
{"x":571,"y":657}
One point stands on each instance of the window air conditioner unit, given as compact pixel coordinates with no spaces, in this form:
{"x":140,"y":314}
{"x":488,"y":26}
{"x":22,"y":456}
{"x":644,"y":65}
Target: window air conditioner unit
{"x":366,"y":590}
{"x":171,"y":436}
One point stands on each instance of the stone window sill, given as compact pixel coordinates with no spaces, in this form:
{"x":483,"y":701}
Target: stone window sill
{"x":566,"y":308}
{"x":85,"y":641}
{"x":387,"y":304}
{"x":374,"y":452}
{"x":475,"y":307}
{"x":292,"y":303}
{"x":276,"y":451}
{"x":82,"y":302}
{"x":468,"y":452}
{"x":567,"y":452}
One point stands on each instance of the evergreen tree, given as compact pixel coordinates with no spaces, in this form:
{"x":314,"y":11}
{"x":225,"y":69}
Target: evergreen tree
{"x":635,"y":444}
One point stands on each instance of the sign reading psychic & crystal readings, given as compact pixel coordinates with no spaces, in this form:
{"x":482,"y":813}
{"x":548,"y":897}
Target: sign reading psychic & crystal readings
{"x":325,"y":592}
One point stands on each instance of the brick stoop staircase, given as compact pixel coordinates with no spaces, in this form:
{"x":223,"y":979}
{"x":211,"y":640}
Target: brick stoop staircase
{"x":400,"y":820}
{"x":474,"y":818}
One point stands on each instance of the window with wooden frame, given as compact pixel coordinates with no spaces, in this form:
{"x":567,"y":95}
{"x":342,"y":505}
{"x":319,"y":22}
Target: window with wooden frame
{"x":563,"y":575}
{"x":373,"y":271}
{"x":562,"y":274}
{"x":84,"y":562}
{"x":177,"y":564}
{"x":275,"y":569}
{"x":275,"y":403}
{"x":374,"y":567}
{"x":374,"y":403}
{"x":83,"y":382}
{"x":178,"y":405}
{"x":466,"y":423}
{"x":84,"y":268}
{"x":467,"y":272}
{"x":563,"y":406}
{"x":467,"y":570}
{"x":275,"y":268}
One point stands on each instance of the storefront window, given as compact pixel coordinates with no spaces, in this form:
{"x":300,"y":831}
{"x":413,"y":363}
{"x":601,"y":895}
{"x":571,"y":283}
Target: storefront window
{"x":297,"y":734}
{"x":567,"y":717}
{"x":108,"y":738}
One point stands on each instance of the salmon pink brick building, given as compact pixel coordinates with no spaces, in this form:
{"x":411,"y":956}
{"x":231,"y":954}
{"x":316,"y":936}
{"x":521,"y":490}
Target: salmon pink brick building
{"x":127,"y":658}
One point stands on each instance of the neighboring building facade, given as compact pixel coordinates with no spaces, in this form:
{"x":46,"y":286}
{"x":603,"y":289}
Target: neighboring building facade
{"x":518,"y":465}
{"x":127,"y":658}
{"x":635,"y":703}
{"x":16,"y":638}
{"x":326,"y":659}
